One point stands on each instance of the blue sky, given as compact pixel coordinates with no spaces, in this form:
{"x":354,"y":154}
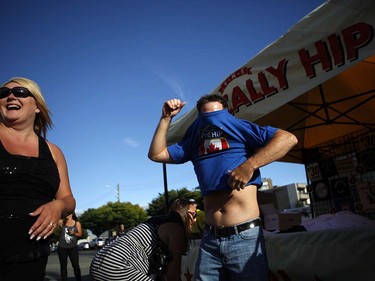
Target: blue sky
{"x":106,"y":67}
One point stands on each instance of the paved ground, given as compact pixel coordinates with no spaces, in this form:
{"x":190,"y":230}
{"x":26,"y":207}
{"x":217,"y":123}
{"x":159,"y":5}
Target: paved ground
{"x":53,"y":266}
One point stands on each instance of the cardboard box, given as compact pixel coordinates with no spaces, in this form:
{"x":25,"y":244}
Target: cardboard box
{"x":288,"y":220}
{"x":272,"y":220}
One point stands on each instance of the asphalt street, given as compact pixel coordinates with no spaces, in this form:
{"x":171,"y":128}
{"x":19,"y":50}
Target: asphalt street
{"x":53,"y":266}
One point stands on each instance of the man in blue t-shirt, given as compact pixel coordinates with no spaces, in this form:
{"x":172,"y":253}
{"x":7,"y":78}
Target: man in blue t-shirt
{"x":226,"y":153}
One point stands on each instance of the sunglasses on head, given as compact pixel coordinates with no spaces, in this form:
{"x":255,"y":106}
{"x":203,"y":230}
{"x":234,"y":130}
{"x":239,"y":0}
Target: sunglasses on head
{"x":18,"y":92}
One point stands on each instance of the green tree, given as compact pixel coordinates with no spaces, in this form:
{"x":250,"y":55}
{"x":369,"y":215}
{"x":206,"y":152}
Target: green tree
{"x":111,"y":215}
{"x":157,"y":205}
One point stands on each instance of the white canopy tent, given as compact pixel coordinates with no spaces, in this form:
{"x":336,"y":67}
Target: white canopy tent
{"x":317,"y":81}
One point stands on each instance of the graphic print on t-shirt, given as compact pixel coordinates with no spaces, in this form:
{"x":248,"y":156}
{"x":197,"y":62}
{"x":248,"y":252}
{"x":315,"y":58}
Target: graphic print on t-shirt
{"x":67,"y":236}
{"x":212,"y":139}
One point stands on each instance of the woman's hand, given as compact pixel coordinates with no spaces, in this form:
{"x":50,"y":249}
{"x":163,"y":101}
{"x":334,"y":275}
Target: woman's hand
{"x":48,"y":215}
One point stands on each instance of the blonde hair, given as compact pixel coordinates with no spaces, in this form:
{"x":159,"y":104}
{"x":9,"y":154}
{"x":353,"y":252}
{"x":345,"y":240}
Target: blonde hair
{"x":43,"y":120}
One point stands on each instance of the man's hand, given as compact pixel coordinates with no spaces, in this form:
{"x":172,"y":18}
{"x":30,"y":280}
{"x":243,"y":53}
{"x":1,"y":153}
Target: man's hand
{"x":279,"y":145}
{"x":172,"y":107}
{"x":240,"y":176}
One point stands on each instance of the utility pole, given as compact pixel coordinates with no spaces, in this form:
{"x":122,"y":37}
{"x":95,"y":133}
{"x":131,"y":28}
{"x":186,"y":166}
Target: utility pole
{"x":165,"y":188}
{"x":118,"y":193}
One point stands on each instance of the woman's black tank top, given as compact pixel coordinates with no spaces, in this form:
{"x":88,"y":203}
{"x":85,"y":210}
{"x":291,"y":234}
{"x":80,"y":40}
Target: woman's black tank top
{"x":25,"y":184}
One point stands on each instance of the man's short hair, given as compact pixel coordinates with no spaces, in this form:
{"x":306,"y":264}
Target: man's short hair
{"x":211,"y":98}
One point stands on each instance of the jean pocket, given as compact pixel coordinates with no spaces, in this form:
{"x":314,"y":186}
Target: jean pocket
{"x":251,"y":233}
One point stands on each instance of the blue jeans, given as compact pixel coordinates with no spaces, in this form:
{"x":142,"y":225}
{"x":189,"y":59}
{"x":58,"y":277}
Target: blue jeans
{"x":238,"y":257}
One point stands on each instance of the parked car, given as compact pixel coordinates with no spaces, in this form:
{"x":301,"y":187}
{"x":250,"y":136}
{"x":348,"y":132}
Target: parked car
{"x":92,"y":243}
{"x":84,"y":246}
{"x":109,"y":240}
{"x":100,"y":242}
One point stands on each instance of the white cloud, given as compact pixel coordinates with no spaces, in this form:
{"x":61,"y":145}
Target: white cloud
{"x":174,"y":84}
{"x":131,"y":142}
{"x":171,"y":82}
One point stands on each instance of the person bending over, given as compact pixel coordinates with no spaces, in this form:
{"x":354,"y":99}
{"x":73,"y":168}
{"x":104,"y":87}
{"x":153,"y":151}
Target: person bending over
{"x":154,"y":247}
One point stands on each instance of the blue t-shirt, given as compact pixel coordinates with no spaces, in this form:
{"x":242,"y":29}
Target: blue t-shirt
{"x":217,"y":142}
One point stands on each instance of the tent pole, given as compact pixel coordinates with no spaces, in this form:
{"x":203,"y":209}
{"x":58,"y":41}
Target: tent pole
{"x":310,"y":191}
{"x":165,"y":188}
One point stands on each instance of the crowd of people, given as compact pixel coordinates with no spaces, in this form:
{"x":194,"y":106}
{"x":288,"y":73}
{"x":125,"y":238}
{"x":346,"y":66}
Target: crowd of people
{"x":36,"y":197}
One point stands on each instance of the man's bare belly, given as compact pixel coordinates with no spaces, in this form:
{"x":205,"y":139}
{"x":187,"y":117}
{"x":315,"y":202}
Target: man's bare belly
{"x":231,"y":207}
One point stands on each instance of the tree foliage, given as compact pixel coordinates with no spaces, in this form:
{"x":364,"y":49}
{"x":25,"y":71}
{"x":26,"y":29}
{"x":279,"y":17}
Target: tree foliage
{"x":158,"y":205}
{"x":111,"y":215}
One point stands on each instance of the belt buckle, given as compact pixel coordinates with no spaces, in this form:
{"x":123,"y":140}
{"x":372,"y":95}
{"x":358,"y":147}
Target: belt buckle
{"x":223,"y":231}
{"x":218,"y":230}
